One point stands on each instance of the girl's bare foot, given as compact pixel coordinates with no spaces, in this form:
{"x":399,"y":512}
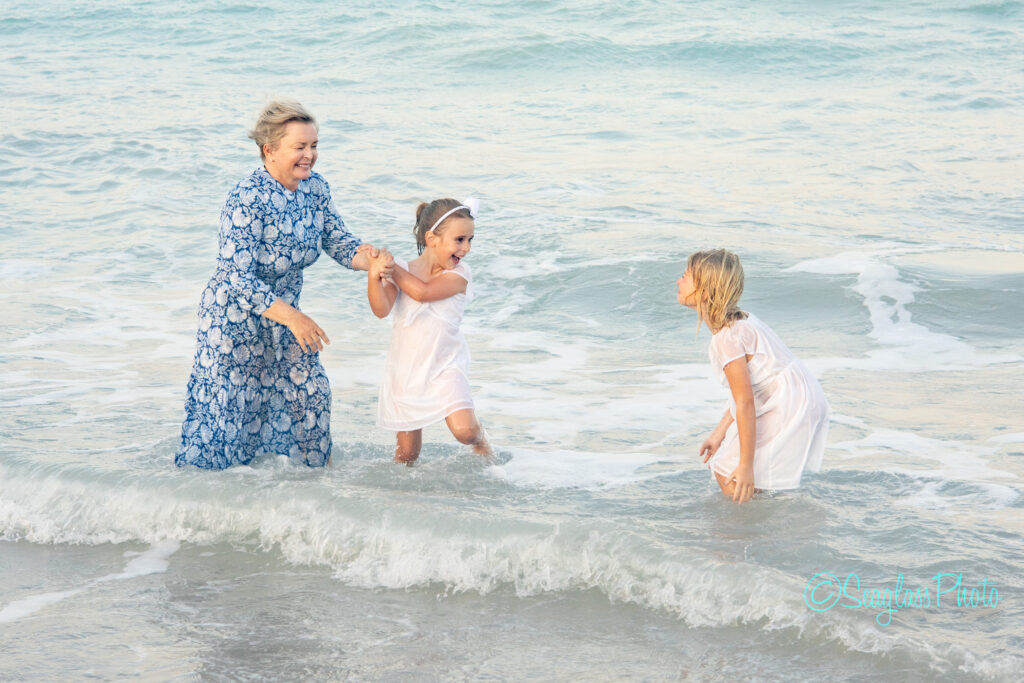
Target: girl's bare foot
{"x":484,"y":450}
{"x":407,"y":460}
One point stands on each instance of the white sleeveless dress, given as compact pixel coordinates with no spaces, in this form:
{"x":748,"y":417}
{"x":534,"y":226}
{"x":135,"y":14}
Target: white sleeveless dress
{"x":790,"y":407}
{"x":426,"y":377}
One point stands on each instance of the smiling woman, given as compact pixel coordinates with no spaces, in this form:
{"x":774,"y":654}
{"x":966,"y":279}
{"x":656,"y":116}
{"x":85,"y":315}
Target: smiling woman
{"x":257,"y":385}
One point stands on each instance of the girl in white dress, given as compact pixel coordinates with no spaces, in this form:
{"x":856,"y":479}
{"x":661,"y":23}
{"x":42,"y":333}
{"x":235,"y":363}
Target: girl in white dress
{"x":426,"y":377}
{"x":777,"y":421}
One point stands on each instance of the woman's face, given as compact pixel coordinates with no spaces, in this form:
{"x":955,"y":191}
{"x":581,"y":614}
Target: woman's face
{"x":291,"y":161}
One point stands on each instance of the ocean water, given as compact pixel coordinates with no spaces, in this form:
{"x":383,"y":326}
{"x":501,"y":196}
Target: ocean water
{"x":864,"y":159}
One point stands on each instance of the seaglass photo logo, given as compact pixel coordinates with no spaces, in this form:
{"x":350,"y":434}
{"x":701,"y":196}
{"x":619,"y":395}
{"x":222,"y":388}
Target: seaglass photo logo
{"x":825,"y":591}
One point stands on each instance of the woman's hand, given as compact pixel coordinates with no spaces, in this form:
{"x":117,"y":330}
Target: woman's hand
{"x":307,"y":333}
{"x":743,"y":476}
{"x":364,"y":254}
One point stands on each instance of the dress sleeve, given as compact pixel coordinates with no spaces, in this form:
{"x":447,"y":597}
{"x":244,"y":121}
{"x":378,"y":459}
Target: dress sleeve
{"x":739,"y":339}
{"x":337,"y":241}
{"x":462,"y":270}
{"x":241,"y":232}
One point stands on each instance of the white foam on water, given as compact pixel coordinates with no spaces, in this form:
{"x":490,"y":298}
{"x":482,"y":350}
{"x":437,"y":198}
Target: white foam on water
{"x":345,"y":371}
{"x":906,"y":345}
{"x":20,"y":609}
{"x":573,"y":469}
{"x":1008,"y":438}
{"x":571,"y":394}
{"x":513,"y":299}
{"x":11,"y":269}
{"x":931,"y":497}
{"x":105,"y":335}
{"x":567,"y":356}
{"x":372,"y":545}
{"x":155,"y":560}
{"x":508,"y":267}
{"x":953,"y":460}
{"x":932,"y":464}
{"x":853,"y":421}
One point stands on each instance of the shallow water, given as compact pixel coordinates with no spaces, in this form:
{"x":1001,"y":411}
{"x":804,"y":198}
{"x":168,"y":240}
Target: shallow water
{"x":863,"y":160}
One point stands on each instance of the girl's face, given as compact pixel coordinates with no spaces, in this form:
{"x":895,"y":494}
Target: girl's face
{"x":685,"y":292}
{"x":453,"y":243}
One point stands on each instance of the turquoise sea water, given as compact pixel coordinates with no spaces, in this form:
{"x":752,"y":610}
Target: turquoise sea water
{"x":864,"y":159}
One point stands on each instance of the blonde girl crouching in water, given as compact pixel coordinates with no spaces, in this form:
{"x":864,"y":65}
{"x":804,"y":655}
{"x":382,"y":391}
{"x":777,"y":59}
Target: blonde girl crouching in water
{"x":426,"y":376}
{"x":777,"y":421}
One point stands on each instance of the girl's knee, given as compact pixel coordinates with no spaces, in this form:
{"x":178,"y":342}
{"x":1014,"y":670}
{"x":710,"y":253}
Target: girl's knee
{"x":466,"y":434}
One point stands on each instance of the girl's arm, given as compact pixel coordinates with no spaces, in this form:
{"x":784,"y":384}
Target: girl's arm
{"x":380,"y":292}
{"x":746,"y":425}
{"x":712,"y":443}
{"x":441,"y":287}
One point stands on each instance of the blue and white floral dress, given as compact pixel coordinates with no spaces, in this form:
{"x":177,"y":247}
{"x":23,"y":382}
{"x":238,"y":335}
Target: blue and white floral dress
{"x":253,"y":389}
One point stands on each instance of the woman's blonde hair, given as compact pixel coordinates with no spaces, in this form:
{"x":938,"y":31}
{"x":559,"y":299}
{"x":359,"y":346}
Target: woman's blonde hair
{"x":717,"y":278}
{"x":272,"y":120}
{"x":427,"y":215}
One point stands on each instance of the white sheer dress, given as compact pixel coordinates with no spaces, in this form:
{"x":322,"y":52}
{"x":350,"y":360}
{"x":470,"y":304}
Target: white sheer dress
{"x":791,"y":408}
{"x":426,"y":377}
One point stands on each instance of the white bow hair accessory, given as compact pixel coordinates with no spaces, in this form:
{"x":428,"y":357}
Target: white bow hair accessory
{"x":471,"y":204}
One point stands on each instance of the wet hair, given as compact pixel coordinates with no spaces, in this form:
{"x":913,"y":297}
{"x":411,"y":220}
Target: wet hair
{"x":273,"y":118}
{"x":718,"y":283}
{"x":427,"y":215}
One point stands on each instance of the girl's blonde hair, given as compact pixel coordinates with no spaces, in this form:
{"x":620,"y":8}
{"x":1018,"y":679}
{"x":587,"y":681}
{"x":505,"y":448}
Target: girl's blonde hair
{"x":272,"y":120}
{"x":427,"y":215}
{"x":717,"y":278}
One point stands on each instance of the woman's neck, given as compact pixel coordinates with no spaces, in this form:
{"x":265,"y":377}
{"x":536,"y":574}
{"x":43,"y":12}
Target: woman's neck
{"x":291,"y":185}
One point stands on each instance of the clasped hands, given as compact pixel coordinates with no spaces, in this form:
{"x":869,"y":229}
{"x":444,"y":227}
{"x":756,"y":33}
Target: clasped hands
{"x":382,"y":264}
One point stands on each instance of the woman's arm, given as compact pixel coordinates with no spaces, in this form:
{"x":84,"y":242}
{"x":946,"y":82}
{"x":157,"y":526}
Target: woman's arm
{"x":440,"y":287}
{"x":738,"y":375}
{"x":381,"y":292}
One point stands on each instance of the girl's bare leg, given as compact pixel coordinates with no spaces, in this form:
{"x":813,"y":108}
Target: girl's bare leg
{"x":409,"y":444}
{"x":466,"y":429}
{"x":728,"y":487}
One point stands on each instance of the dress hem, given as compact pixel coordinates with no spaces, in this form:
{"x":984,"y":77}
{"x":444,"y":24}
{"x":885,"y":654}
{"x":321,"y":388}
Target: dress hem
{"x":785,"y":485}
{"x":420,"y":424}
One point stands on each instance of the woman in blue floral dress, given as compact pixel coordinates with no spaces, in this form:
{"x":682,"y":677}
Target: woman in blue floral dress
{"x":257,"y":385}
